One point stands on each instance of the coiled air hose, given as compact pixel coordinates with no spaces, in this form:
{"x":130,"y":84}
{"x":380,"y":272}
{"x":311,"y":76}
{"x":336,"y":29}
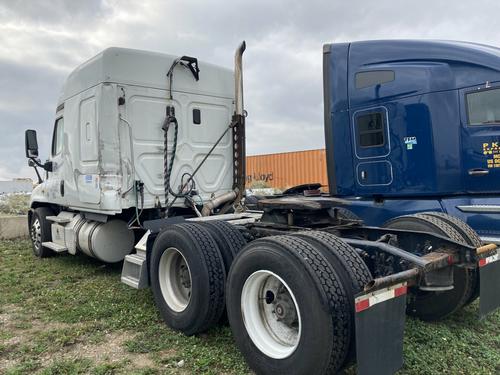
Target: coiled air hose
{"x":169,"y":163}
{"x":192,"y":64}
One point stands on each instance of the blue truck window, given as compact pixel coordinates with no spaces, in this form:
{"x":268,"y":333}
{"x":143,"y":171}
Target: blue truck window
{"x":370,"y":129}
{"x":483,"y":107}
{"x":374,"y":77}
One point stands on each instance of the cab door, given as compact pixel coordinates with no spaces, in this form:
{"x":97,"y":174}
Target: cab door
{"x":55,"y":182}
{"x":480,"y":115}
{"x":372,"y":147}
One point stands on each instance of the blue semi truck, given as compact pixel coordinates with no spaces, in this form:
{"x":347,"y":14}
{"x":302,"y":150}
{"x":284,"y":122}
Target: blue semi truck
{"x":422,"y":120}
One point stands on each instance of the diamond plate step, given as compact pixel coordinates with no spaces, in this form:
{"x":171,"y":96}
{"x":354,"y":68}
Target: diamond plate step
{"x":55,"y":247}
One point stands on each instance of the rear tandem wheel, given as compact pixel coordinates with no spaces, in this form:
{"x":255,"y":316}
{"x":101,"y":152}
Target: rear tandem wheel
{"x":349,"y":266}
{"x":288,"y":308}
{"x":187,"y":278}
{"x":431,"y":306}
{"x":471,"y":238}
{"x":229,"y":239}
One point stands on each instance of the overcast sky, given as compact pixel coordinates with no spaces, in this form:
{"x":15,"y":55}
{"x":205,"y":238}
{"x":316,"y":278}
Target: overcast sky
{"x":41,"y":41}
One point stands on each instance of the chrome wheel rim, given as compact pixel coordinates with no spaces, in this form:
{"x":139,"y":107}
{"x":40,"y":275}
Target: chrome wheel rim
{"x":36,"y":234}
{"x":175,"y":279}
{"x":271,"y":314}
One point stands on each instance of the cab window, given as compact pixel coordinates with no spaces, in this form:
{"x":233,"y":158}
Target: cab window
{"x":373,"y":78}
{"x":57,"y":139}
{"x":370,"y":129}
{"x":483,"y":107}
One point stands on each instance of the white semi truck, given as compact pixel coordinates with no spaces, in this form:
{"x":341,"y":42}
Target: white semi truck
{"x":147,"y":167}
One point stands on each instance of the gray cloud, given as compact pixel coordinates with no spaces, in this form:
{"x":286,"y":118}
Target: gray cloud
{"x":54,"y":12}
{"x":41,"y":41}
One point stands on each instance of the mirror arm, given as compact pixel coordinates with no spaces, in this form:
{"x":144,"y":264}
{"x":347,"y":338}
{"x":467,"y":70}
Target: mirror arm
{"x":47,"y":165}
{"x":36,"y":162}
{"x":38,"y":174}
{"x":32,"y":163}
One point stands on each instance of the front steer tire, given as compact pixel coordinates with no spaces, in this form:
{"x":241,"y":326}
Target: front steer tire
{"x":39,"y":229}
{"x":187,"y":278}
{"x":321,"y":331}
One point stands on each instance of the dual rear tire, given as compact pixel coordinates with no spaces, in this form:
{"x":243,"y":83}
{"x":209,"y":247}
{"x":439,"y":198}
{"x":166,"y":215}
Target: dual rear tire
{"x":289,"y":303}
{"x":188,"y":268}
{"x":288,"y":298}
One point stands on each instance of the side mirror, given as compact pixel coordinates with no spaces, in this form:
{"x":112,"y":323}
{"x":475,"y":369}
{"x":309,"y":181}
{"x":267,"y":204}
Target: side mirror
{"x":31,"y":144}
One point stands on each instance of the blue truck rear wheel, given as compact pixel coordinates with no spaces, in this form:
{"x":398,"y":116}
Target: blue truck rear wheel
{"x":471,"y":238}
{"x":430,"y":306}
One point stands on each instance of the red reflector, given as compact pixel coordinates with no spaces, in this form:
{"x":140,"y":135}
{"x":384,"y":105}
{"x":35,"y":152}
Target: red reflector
{"x":450,"y":260}
{"x":482,"y":262}
{"x":400,"y":291}
{"x":362,"y":305}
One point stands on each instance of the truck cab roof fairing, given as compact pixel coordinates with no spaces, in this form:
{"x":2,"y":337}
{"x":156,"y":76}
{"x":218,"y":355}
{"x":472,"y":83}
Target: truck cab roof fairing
{"x":420,"y":67}
{"x":120,"y":65}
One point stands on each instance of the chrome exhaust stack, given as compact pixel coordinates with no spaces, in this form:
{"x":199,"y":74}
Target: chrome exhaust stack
{"x":238,"y":126}
{"x":238,"y":79}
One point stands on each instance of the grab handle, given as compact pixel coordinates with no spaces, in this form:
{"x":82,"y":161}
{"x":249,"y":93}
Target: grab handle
{"x":478,"y":172}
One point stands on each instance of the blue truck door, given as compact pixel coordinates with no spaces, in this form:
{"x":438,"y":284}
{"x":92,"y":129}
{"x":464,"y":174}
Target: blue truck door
{"x":480,"y":114}
{"x":372,"y":146}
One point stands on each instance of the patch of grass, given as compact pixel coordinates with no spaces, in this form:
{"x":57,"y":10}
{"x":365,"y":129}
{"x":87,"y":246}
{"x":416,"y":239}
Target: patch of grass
{"x":5,"y":335}
{"x":65,"y":302}
{"x":210,"y":353}
{"x":145,"y":371}
{"x":109,"y":368}
{"x":55,"y":339}
{"x":14,"y":204}
{"x":25,"y":366}
{"x":67,"y":366}
{"x":88,"y":299}
{"x":459,"y":345}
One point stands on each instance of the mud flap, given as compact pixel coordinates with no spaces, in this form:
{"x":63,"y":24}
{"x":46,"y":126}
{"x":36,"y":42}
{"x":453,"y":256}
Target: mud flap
{"x":489,"y":277}
{"x":380,"y":320}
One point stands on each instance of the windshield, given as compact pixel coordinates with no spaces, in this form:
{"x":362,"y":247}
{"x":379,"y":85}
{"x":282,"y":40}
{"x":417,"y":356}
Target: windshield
{"x":484,"y":107}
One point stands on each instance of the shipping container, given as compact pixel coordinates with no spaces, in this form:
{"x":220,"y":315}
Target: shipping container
{"x":287,"y":169}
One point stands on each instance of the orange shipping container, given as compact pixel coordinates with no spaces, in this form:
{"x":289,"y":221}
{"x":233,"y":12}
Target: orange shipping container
{"x":287,"y":169}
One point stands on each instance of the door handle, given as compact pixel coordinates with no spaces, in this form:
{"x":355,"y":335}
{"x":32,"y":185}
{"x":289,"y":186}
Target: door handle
{"x":478,"y":172}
